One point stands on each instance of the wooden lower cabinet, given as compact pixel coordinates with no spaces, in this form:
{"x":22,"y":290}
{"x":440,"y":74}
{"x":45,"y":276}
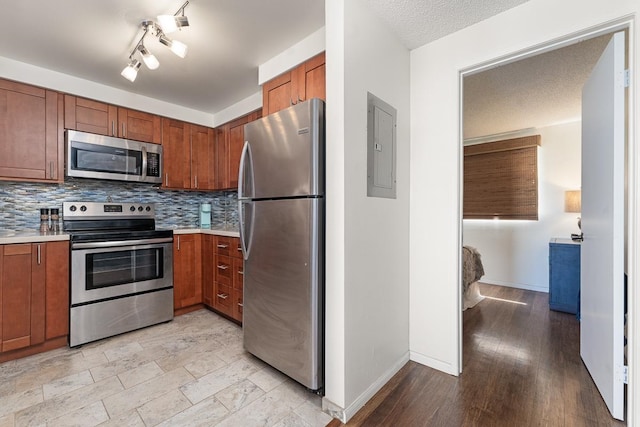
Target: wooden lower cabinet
{"x":34,"y":295}
{"x":187,"y":270}
{"x":225,"y":287}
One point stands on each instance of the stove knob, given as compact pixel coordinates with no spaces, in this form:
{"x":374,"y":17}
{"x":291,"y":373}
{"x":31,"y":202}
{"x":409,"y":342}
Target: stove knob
{"x":83,"y":208}
{"x":132,"y":208}
{"x":140,"y":208}
{"x":148,"y":208}
{"x":72,"y":208}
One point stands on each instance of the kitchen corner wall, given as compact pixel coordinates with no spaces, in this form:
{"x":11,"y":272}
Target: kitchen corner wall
{"x":20,"y":202}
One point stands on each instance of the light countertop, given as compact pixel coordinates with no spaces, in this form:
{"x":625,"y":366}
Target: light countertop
{"x":31,"y":236}
{"x":34,"y":236}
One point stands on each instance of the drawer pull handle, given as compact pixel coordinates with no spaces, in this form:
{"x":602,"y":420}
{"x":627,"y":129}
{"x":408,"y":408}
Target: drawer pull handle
{"x":223,"y":296}
{"x":240,"y":304}
{"x":223,"y":246}
{"x":241,"y":272}
{"x":223,"y":267}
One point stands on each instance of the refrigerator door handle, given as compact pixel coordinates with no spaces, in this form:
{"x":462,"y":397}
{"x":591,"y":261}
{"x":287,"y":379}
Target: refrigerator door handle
{"x":246,"y":232}
{"x":245,"y":162}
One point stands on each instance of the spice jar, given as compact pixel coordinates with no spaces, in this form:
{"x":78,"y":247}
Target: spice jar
{"x":55,"y":219}
{"x":44,"y":220}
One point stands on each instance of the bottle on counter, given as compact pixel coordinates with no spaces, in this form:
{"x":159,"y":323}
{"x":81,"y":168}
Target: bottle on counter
{"x":55,"y":219}
{"x":44,"y":220}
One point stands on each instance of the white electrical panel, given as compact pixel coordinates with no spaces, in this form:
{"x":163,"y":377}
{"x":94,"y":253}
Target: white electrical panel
{"x":381,"y":148}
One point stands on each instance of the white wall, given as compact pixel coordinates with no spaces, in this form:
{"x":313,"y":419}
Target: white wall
{"x":515,"y":253}
{"x":367,"y":238}
{"x":435,"y":153}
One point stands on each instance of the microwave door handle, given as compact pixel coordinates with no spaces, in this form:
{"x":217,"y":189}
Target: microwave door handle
{"x":144,"y":162}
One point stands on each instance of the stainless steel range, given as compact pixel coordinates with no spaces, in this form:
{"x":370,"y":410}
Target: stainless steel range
{"x":121,"y":269}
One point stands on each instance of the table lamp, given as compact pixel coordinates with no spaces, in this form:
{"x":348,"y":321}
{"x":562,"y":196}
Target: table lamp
{"x":572,"y":203}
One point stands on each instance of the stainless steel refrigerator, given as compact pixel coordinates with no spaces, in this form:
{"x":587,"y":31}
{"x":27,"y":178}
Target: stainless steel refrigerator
{"x":281,"y":209}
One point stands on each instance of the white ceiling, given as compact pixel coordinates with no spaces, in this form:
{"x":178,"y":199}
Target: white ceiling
{"x":229,"y":39}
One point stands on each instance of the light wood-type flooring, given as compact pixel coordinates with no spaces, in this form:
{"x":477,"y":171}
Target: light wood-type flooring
{"x":191,"y":371}
{"x":521,"y":367}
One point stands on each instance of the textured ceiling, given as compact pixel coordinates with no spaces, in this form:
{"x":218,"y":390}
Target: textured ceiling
{"x":538,"y":91}
{"x":417,"y":22}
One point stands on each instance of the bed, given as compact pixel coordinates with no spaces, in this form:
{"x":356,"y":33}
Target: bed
{"x":472,"y":271}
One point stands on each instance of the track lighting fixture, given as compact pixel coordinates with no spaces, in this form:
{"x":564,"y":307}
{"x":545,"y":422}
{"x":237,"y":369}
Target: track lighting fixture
{"x":149,"y":59}
{"x":176,"y":47}
{"x":165,"y":24}
{"x":170,"y":23}
{"x":130,"y":72}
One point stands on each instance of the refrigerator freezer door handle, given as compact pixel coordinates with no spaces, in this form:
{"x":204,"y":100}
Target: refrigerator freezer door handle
{"x":241,"y":174}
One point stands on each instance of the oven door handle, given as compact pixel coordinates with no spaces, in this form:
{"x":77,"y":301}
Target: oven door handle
{"x":111,"y":244}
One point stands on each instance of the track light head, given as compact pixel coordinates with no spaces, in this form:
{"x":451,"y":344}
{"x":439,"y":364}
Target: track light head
{"x":130,"y":72}
{"x":170,"y":23}
{"x":176,"y":46}
{"x":149,"y":59}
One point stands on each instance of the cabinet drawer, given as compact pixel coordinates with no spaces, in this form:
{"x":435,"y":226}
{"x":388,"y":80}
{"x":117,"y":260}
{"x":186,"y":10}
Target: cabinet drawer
{"x":223,"y":299}
{"x":237,"y":304}
{"x":224,"y":245}
{"x":238,"y":273}
{"x":236,"y":251}
{"x":224,"y":270}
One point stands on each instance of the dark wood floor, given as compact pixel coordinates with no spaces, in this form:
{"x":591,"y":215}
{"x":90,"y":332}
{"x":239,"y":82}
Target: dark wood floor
{"x":521,"y":367}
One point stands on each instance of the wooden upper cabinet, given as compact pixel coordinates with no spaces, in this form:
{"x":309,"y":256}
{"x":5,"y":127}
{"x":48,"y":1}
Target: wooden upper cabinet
{"x":229,"y":150}
{"x":104,"y":119}
{"x":31,"y":133}
{"x":91,"y":116}
{"x":188,"y":152}
{"x":304,"y":82}
{"x":139,"y":126}
{"x":203,"y":167}
{"x":176,"y":154}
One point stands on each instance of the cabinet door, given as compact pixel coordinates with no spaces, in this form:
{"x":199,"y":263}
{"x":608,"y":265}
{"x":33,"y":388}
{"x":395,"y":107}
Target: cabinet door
{"x":139,"y":126}
{"x":187,"y":270}
{"x":203,"y":171}
{"x":277,"y":93}
{"x":57,"y":289}
{"x":90,"y":116}
{"x":229,"y":149}
{"x":31,"y":145}
{"x":304,"y":82}
{"x":22,"y":290}
{"x":208,"y":268}
{"x":314,"y":78}
{"x":176,"y":154}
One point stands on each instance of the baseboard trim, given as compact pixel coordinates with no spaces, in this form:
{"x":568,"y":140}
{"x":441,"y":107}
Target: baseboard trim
{"x":433,"y":363}
{"x":345,"y":414}
{"x":537,"y":288}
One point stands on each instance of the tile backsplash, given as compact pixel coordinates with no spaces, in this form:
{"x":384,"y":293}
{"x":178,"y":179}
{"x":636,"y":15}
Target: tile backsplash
{"x":20,"y":202}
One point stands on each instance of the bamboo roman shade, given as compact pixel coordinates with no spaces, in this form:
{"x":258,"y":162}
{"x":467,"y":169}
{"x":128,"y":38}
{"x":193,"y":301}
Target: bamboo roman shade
{"x":501,"y":179}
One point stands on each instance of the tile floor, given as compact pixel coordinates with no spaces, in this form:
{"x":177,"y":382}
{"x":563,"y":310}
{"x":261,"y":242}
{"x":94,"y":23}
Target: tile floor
{"x":191,"y":371}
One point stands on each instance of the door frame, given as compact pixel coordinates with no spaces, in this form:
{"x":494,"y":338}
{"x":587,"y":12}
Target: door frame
{"x":632,"y":193}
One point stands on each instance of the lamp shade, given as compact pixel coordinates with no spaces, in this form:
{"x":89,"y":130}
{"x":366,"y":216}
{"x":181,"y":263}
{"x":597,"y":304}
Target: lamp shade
{"x":572,"y":201}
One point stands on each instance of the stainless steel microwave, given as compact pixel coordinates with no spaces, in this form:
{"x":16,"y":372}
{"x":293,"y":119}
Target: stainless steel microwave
{"x":105,"y":157}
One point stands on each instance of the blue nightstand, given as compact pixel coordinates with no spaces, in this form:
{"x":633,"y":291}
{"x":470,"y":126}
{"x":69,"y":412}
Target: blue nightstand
{"x":564,"y":275}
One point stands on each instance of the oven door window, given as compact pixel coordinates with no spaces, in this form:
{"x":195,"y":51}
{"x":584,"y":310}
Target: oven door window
{"x":104,"y":269}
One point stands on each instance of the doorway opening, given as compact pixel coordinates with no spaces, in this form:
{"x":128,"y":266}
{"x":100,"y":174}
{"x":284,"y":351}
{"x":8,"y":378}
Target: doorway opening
{"x":508,"y":99}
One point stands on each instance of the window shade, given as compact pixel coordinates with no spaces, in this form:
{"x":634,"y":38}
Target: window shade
{"x":501,"y":179}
